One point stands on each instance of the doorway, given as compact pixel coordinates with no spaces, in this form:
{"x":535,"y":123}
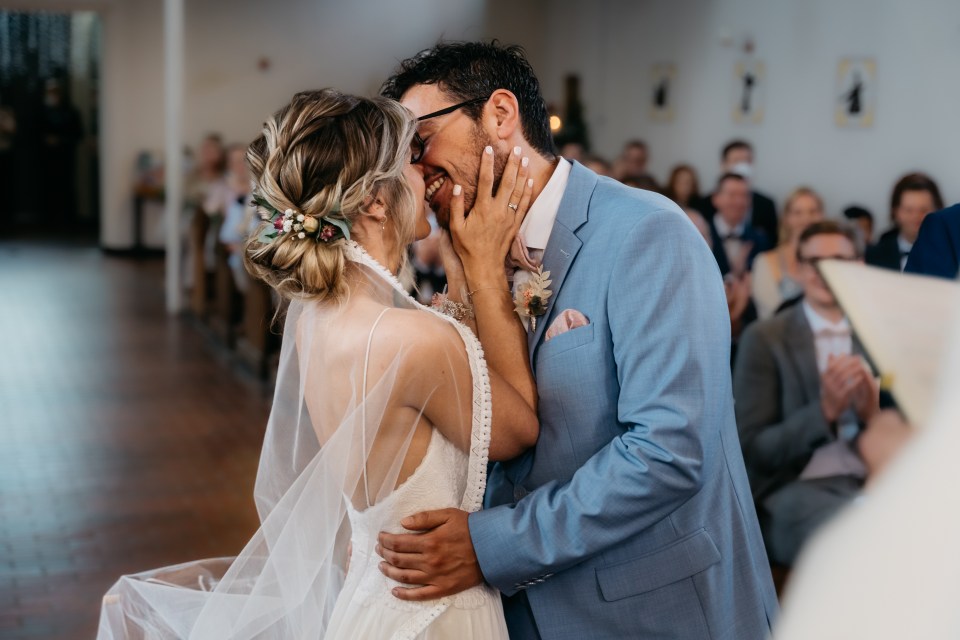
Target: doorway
{"x":49,"y":124}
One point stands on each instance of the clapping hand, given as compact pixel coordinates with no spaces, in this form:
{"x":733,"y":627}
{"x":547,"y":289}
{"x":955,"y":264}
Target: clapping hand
{"x":847,"y":381}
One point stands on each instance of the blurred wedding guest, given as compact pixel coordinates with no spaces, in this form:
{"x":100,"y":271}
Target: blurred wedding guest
{"x":574,"y":151}
{"x":598,"y":165}
{"x":735,"y":243}
{"x":914,"y":197}
{"x":775,"y":272}
{"x":862,"y":220}
{"x":645,"y":182}
{"x":802,"y":391}
{"x":886,"y":568}
{"x":429,"y":275}
{"x":937,"y":249}
{"x":683,"y":187}
{"x":205,"y":175}
{"x":701,"y":224}
{"x":234,"y":184}
{"x":235,"y":206}
{"x":631,"y":164}
{"x":208,"y":169}
{"x":737,"y":157}
{"x":60,"y":131}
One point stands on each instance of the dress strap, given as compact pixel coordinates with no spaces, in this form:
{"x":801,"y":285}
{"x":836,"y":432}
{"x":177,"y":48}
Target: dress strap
{"x":363,"y":405}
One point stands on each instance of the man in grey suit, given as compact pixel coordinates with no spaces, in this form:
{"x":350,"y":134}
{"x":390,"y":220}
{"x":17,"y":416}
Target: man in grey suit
{"x":803,"y":392}
{"x":632,"y":516}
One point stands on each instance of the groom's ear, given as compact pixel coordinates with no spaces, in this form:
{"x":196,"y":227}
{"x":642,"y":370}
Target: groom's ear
{"x":505,"y":113}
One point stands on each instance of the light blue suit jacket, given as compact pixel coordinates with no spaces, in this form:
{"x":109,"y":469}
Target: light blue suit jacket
{"x":632,"y":516}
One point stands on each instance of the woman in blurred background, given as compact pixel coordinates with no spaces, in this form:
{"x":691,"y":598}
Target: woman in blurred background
{"x":775,"y":276}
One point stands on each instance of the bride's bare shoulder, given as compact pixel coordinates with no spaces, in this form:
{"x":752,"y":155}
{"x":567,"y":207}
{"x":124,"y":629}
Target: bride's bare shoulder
{"x":422,"y":330}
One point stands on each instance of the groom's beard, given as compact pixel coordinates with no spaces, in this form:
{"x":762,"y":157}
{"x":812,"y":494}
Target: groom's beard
{"x":480,"y":140}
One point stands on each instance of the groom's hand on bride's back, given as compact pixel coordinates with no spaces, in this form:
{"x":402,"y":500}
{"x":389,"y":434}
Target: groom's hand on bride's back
{"x":439,"y":557}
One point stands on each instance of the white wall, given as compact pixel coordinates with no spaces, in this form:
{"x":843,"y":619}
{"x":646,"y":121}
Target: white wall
{"x":613,"y":43}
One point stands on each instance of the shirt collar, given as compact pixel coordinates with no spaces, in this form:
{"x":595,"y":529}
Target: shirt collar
{"x":818,"y":323}
{"x":903,"y":245}
{"x":538,"y":224}
{"x":724,"y":230}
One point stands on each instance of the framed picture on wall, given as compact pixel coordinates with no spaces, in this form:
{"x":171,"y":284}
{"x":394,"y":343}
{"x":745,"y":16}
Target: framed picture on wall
{"x":749,"y":91}
{"x":855,"y":97}
{"x":663,"y":77}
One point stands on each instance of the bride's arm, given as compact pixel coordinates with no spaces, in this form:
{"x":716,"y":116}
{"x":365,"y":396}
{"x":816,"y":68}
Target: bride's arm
{"x":438,"y":381}
{"x":482,"y":240}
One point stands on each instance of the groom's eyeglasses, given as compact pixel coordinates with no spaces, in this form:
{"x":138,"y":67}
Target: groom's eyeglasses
{"x":418,"y":145}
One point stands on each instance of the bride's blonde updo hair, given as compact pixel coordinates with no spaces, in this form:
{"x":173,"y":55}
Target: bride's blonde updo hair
{"x":327,"y":154}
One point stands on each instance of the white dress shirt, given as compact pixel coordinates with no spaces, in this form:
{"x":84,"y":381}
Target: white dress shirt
{"x":730,"y":237}
{"x":538,"y":224}
{"x":835,"y":458}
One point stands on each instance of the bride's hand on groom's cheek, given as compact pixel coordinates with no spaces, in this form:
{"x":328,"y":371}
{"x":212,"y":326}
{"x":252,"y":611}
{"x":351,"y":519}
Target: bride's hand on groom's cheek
{"x":440,"y":558}
{"x":482,"y":238}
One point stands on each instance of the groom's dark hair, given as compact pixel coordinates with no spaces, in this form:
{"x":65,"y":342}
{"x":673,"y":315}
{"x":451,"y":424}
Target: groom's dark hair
{"x":468,"y":70}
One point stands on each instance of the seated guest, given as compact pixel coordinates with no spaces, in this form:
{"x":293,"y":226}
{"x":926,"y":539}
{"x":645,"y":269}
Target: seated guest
{"x":775,"y":277}
{"x":598,"y":165}
{"x":735,"y":241}
{"x":683,"y":187}
{"x":631,"y":165}
{"x":235,"y":207}
{"x":937,"y":249}
{"x":737,"y":157}
{"x":735,"y":244}
{"x":862,"y":220}
{"x":914,"y":197}
{"x":802,"y":393}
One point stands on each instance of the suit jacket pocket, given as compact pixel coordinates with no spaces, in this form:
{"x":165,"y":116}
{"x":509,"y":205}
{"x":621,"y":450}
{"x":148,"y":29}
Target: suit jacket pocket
{"x":681,"y":559}
{"x":565,"y":342}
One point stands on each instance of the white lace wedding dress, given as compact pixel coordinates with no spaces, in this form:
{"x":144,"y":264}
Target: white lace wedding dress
{"x":373,"y":612}
{"x":334,"y":442}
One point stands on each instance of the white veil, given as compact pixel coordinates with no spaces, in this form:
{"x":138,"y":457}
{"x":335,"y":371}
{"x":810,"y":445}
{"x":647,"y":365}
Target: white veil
{"x":341,"y":437}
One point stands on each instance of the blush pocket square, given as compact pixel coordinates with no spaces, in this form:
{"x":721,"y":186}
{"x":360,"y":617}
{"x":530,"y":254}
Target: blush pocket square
{"x":567,"y":320}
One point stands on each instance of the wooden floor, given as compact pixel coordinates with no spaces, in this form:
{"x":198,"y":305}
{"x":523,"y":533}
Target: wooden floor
{"x":126,"y":441}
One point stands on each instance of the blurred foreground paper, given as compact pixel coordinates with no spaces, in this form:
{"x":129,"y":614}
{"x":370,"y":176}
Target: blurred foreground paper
{"x":888,"y":566}
{"x":904,"y":322}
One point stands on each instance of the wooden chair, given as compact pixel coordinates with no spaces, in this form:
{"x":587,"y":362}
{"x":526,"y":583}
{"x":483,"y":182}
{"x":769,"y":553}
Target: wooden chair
{"x":258,"y":340}
{"x":200,"y":294}
{"x":228,"y":302}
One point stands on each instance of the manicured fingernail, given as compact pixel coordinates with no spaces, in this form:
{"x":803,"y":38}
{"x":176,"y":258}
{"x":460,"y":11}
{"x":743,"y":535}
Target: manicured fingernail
{"x":457,"y":188}
{"x":396,"y":593}
{"x":516,"y":151}
{"x":529,"y":182}
{"x":406,"y":523}
{"x":379,"y":550}
{"x":488,"y":150}
{"x":525,"y":161}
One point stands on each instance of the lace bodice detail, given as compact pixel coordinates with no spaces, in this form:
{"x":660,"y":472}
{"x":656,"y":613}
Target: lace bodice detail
{"x":446,"y":477}
{"x":438,"y":483}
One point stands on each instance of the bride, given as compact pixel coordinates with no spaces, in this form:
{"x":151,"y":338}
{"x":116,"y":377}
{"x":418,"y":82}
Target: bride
{"x":383,"y":407}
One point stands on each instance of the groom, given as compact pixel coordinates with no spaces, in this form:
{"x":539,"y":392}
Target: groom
{"x":632,"y":516}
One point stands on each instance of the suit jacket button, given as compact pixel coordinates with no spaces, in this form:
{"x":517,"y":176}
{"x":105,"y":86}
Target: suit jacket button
{"x":518,"y":493}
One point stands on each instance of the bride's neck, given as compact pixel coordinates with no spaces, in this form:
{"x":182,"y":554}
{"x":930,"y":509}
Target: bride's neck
{"x":384,"y":252}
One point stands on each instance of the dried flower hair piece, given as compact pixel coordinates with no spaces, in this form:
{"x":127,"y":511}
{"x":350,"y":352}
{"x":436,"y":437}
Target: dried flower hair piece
{"x":324,"y":229}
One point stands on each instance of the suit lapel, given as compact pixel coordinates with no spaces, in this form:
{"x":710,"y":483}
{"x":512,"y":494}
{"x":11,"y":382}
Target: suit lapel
{"x":563,"y":246}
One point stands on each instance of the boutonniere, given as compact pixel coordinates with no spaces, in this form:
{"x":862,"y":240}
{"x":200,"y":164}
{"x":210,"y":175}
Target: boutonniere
{"x":531,"y":296}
